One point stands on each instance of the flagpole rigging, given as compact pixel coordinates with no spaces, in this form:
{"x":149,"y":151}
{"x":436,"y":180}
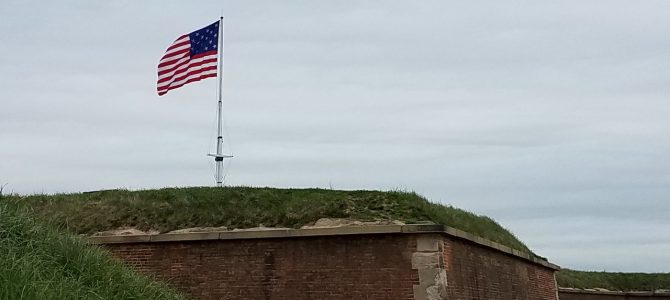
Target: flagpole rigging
{"x":218,"y":158}
{"x":193,"y":57}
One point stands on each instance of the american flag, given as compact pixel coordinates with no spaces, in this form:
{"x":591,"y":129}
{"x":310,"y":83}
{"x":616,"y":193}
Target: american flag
{"x":192,"y":57}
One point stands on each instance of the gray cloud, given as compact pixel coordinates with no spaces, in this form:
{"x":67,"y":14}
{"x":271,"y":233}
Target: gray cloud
{"x":549,"y":117}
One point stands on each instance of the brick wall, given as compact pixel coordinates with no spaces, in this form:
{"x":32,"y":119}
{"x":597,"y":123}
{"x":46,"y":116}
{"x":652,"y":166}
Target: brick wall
{"x":475,"y":272}
{"x":391,"y":263}
{"x":333,"y":267}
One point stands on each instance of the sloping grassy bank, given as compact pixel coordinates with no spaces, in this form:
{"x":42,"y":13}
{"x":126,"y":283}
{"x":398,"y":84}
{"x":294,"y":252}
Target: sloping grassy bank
{"x":613,"y":281}
{"x":242,"y":207}
{"x":234,"y":207}
{"x":39,"y":262}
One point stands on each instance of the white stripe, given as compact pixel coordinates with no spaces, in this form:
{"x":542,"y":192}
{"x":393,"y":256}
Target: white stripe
{"x":183,"y":39}
{"x":179,"y":59}
{"x":172,"y":82}
{"x":177,"y":49}
{"x":176,"y":83}
{"x":183,"y":66}
{"x":182,"y":59}
{"x":167,"y":59}
{"x":182,"y":82}
{"x":169,"y":83}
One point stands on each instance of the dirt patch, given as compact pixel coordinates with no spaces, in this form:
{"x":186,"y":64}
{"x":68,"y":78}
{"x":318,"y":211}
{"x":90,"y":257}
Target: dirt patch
{"x":321,"y":223}
{"x":260,"y":228}
{"x":125,"y":231}
{"x":334,"y":222}
{"x":200,"y":229}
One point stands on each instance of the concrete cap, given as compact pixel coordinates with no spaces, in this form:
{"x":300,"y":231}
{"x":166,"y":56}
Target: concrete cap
{"x":326,"y":231}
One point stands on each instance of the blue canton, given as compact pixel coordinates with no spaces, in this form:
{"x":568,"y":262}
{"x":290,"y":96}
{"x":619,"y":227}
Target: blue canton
{"x":204,"y":40}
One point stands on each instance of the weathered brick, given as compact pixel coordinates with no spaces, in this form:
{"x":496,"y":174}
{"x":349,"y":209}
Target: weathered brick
{"x":353,"y":266}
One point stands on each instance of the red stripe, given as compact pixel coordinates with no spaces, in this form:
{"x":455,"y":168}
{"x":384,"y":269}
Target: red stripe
{"x":176,"y":44}
{"x":160,"y":65}
{"x":176,"y":65}
{"x":188,"y":74}
{"x":187,"y":81}
{"x":164,"y":91}
{"x":194,"y":79}
{"x":180,"y":52}
{"x":209,"y":57}
{"x":211,"y":52}
{"x":206,"y":61}
{"x":189,"y":61}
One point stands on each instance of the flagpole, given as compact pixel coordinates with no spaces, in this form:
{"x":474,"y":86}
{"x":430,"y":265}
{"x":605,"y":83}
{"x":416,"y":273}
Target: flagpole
{"x":218,"y":158}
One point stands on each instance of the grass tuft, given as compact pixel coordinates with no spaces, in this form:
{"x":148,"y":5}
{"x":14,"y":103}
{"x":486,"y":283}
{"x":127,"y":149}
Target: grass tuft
{"x":39,"y":262}
{"x":243,"y":207}
{"x":613,"y":281}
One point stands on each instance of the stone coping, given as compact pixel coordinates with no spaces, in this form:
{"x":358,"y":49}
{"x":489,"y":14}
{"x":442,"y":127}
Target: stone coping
{"x":323,"y":231}
{"x":612,"y":293}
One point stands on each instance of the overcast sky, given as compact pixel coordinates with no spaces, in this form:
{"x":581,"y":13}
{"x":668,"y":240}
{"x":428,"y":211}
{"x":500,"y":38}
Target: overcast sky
{"x":551,"y":117}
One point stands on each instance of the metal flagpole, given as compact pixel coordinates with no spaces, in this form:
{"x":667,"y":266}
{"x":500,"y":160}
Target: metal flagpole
{"x":219,"y":156}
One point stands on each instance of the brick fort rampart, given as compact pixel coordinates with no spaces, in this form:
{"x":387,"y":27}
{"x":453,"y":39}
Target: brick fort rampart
{"x":417,"y":262}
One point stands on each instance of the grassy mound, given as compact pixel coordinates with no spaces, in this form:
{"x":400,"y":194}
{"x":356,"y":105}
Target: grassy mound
{"x":38,"y":262}
{"x":243,"y":207}
{"x":44,"y":264}
{"x":613,"y":281}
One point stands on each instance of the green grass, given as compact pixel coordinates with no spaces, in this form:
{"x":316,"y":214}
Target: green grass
{"x":613,"y":281}
{"x":39,"y":262}
{"x":57,"y":268}
{"x":242,"y":207}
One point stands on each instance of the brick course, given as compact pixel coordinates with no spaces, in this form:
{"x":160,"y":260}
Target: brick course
{"x":333,"y":267}
{"x":479,"y":273}
{"x":387,"y":265}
